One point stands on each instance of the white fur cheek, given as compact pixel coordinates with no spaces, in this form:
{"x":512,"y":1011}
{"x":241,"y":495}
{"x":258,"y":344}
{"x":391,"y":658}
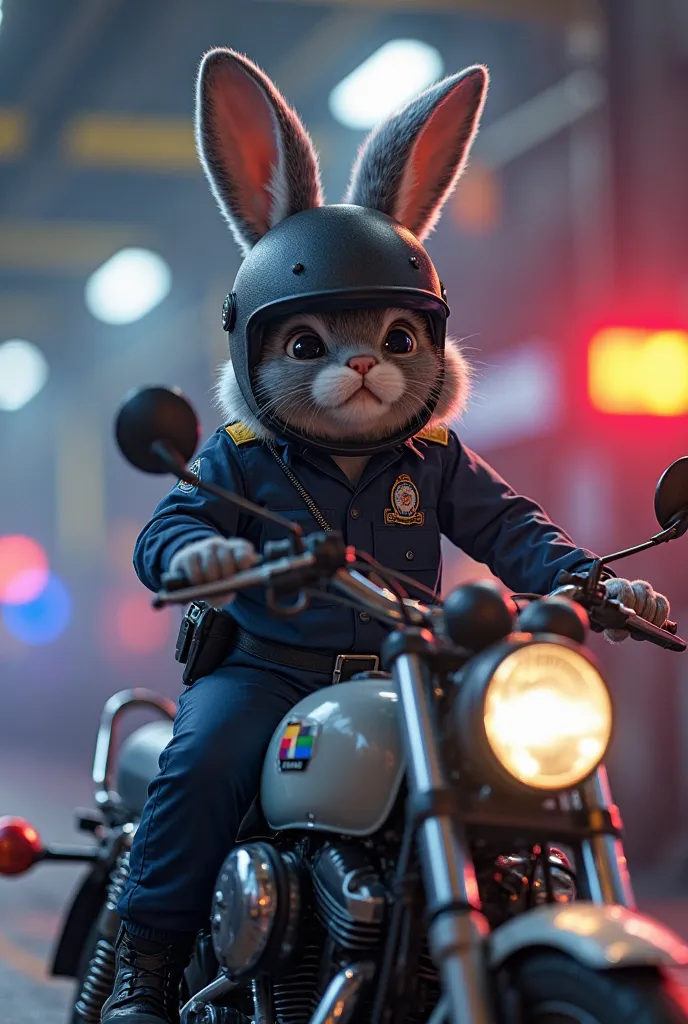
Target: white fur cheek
{"x":386,"y":381}
{"x":334,"y":385}
{"x":456,"y":389}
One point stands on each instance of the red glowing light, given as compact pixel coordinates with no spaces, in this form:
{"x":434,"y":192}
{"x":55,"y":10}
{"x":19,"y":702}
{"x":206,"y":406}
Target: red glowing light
{"x":634,"y":371}
{"x":23,"y":569}
{"x":20,"y":846}
{"x":139,"y":628}
{"x":129,"y":626}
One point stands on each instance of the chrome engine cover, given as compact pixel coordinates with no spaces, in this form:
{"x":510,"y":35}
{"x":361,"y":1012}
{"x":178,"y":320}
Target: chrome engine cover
{"x":255,"y":910}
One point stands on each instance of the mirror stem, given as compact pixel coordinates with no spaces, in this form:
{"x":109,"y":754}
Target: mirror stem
{"x":677,"y":527}
{"x":176,"y":465}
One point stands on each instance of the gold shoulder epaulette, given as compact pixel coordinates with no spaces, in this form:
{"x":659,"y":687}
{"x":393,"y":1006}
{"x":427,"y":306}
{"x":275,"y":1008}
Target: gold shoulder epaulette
{"x":240,"y":433}
{"x":437,"y":433}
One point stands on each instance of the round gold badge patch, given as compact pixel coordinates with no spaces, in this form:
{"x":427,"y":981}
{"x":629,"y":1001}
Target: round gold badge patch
{"x":405,"y":500}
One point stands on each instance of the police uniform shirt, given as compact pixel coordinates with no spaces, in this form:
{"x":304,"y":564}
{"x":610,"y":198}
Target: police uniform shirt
{"x":397,"y":512}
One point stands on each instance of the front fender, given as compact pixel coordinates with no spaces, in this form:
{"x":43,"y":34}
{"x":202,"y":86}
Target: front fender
{"x":601,"y":937}
{"x":82,"y":915}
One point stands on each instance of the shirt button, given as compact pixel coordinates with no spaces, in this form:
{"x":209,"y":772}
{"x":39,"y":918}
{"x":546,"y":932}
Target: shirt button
{"x":355,"y":513}
{"x":364,"y":617}
{"x":410,"y":556}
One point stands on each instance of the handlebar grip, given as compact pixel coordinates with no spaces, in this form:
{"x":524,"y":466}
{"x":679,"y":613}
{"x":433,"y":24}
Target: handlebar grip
{"x":174,"y":581}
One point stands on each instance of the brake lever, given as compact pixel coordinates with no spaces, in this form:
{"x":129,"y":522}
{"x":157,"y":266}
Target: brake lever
{"x":614,"y":615}
{"x":641,"y":629}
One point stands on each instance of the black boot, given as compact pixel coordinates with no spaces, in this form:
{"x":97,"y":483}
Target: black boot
{"x":146,"y":988}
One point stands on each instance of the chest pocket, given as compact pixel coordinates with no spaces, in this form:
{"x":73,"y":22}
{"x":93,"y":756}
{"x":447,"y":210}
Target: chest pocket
{"x":414,"y":550}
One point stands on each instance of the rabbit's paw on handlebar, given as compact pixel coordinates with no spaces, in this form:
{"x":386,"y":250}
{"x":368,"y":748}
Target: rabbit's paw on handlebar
{"x":640,"y":598}
{"x":212,"y":559}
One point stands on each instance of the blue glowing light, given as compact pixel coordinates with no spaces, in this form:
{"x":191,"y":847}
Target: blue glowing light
{"x":42,"y":620}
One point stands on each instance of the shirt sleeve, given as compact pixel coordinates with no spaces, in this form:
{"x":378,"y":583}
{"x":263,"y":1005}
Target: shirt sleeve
{"x":187,"y":514}
{"x":481,"y":514}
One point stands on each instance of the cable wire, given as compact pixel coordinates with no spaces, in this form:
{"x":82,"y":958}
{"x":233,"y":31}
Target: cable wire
{"x":400,"y":576}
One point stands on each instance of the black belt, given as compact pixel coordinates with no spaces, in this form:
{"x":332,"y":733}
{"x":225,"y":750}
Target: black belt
{"x":340,"y":667}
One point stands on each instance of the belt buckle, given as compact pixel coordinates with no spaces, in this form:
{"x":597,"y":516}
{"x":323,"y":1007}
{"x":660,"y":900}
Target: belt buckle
{"x":342,"y":659}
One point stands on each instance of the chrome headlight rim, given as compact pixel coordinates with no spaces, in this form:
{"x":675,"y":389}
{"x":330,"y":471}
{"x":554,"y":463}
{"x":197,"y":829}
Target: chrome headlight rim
{"x":476,"y":755}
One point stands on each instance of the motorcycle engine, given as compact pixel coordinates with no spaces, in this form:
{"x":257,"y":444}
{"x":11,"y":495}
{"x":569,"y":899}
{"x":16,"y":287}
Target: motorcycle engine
{"x":301,"y":920}
{"x":350,"y":897}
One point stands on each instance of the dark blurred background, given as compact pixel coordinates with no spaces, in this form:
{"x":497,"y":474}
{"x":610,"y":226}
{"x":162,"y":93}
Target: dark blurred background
{"x":565,"y":256}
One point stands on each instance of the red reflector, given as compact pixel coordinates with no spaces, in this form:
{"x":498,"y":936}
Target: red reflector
{"x":20,"y":846}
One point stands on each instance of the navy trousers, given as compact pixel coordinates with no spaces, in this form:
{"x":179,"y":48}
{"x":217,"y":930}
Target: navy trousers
{"x":209,"y":775}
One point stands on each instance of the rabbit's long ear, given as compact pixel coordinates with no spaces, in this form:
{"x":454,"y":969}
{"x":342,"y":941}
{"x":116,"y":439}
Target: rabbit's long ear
{"x":257,"y":155}
{"x":409,"y":164}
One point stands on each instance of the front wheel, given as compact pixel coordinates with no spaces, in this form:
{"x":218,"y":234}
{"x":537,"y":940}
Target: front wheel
{"x":546,"y":987}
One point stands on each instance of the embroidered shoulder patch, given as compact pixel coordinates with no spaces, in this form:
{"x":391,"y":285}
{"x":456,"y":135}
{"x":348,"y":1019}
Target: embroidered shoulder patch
{"x":185,"y":487}
{"x":240,"y":433}
{"x":437,"y":433}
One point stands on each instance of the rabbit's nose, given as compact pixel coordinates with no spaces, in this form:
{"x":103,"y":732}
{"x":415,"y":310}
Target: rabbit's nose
{"x":362,"y":363}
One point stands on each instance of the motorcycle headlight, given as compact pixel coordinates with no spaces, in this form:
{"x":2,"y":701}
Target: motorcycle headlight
{"x":544,"y":715}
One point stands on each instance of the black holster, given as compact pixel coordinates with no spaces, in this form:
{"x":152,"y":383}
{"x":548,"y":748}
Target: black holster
{"x":206,"y":637}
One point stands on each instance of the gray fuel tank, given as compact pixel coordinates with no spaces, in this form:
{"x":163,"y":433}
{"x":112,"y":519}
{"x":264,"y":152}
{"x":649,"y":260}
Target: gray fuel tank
{"x":335,"y":763}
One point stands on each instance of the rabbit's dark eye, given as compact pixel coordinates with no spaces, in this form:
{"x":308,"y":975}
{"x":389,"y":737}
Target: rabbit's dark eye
{"x":306,"y":346}
{"x":399,"y":342}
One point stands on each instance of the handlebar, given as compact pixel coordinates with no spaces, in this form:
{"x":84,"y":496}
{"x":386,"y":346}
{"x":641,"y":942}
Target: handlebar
{"x":608,"y":613}
{"x":328,"y":560}
{"x":282,"y":570}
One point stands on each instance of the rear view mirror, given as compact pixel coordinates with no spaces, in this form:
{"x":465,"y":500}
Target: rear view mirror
{"x":149,"y":417}
{"x":671,"y":496}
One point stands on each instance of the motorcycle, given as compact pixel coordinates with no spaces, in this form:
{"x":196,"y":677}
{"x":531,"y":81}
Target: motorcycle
{"x":398,"y":863}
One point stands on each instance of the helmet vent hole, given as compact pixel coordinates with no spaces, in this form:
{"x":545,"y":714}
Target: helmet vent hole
{"x":298,"y":268}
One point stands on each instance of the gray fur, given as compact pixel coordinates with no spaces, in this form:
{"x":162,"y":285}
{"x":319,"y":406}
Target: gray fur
{"x":286,"y":384}
{"x":381,"y":172}
{"x":294,"y":183}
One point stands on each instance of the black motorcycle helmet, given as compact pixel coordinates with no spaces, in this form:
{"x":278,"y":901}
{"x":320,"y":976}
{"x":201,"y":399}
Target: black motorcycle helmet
{"x":330,"y":257}
{"x":303,"y":256}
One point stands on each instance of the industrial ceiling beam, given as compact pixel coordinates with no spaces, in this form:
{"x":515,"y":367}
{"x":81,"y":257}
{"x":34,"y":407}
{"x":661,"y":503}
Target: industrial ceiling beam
{"x":86,"y":23}
{"x":562,"y":11}
{"x":64,"y":247}
{"x":163,"y":145}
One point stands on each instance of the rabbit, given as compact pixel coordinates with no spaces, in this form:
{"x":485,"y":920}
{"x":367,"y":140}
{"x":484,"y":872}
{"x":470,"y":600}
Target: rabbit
{"x":351,"y":402}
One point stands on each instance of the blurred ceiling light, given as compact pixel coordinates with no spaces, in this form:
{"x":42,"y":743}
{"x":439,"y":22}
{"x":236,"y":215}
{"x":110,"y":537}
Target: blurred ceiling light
{"x":390,"y":77}
{"x":23,"y":372}
{"x":0,"y":12}
{"x":127,"y":286}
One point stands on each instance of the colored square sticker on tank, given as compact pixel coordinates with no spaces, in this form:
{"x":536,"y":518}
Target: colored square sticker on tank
{"x":296,"y":747}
